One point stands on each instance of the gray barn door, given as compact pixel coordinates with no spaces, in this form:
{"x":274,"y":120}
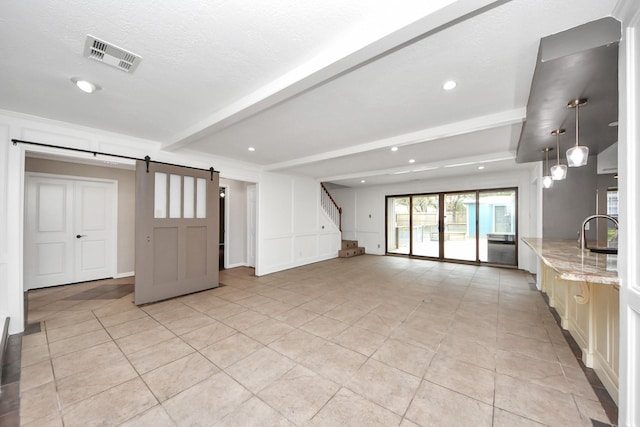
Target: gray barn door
{"x":176,"y":231}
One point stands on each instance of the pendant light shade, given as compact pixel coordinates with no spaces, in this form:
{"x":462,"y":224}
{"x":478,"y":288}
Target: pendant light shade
{"x":578,"y":155}
{"x":547,"y":180}
{"x":558,"y":171}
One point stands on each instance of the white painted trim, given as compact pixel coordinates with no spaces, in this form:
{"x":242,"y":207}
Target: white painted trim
{"x":125,"y":274}
{"x":237,"y":264}
{"x":227,"y":194}
{"x":629,"y":210}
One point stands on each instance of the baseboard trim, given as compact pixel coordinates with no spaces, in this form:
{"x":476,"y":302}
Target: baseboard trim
{"x":127,"y":274}
{"x":3,"y":343}
{"x":238,"y":264}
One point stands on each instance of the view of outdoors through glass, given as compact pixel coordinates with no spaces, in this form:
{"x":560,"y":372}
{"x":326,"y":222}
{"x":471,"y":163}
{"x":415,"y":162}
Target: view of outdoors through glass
{"x":477,"y":225}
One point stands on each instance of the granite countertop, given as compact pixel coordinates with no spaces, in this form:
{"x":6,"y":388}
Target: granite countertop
{"x":571,"y":263}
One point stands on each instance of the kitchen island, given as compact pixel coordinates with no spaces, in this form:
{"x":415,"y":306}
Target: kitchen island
{"x":584,"y":289}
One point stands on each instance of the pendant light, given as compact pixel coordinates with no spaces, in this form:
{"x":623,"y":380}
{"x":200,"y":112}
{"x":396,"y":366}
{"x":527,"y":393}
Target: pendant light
{"x":547,"y":181}
{"x":558,"y":171}
{"x":578,"y":155}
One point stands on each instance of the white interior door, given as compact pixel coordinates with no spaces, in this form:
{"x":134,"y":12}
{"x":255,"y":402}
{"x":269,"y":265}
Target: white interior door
{"x":69,"y":230}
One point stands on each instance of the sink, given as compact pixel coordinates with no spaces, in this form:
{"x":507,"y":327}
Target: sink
{"x":604,"y":250}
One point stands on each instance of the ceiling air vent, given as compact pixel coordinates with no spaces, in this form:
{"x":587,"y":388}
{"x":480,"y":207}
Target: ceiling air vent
{"x":110,"y":54}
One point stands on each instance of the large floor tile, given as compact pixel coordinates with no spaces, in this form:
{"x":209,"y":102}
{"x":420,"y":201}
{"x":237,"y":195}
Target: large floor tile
{"x":38,"y":402}
{"x":260,"y":369}
{"x":76,"y":387}
{"x":207,"y":402}
{"x":254,"y":413}
{"x":206,"y":335}
{"x":436,"y":405}
{"x":297,"y":344}
{"x":325,"y":327}
{"x":361,"y":340}
{"x":158,"y":355}
{"x":538,"y":403}
{"x":299,"y":394}
{"x":154,"y":417}
{"x":86,"y":359}
{"x":348,"y":409}
{"x":388,"y":387}
{"x":404,"y":356}
{"x":268,"y":331}
{"x":334,"y":362}
{"x":464,"y":378}
{"x":111,"y":407}
{"x":228,"y":351}
{"x":172,"y":378}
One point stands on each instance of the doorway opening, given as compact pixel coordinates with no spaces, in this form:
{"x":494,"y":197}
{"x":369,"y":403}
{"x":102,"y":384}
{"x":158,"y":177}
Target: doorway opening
{"x":222,"y":197}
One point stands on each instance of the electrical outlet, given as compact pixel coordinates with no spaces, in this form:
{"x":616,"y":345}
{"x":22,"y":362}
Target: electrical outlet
{"x":378,"y":245}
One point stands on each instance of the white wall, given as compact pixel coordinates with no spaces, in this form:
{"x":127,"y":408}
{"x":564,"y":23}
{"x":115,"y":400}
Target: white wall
{"x":24,"y":127}
{"x":364,"y":208}
{"x":293,"y":229}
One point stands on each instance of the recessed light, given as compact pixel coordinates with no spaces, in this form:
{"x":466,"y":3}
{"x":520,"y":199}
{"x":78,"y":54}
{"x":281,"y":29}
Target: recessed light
{"x":448,"y":85}
{"x":480,"y":167}
{"x":412,"y":160}
{"x":394,"y":148}
{"x":362,"y":181}
{"x":251,"y":149}
{"x":614,"y":123}
{"x":85,"y":85}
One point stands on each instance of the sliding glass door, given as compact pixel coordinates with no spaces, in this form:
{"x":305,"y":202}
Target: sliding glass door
{"x":398,"y":240}
{"x":497,"y":234}
{"x":459,"y":226}
{"x":472,"y":226}
{"x":424,"y":225}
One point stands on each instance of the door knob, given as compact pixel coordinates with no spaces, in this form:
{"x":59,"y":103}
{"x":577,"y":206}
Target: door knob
{"x":78,"y":236}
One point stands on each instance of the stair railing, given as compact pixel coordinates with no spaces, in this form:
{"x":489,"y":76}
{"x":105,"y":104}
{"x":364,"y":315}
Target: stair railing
{"x":331,"y":207}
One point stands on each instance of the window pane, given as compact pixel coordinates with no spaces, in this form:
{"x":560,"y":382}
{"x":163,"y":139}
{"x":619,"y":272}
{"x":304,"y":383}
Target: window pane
{"x":175,"y":199}
{"x":460,"y":226}
{"x":160,"y":196}
{"x":425,"y":225}
{"x":497,"y":223}
{"x":189,"y":196}
{"x":201,"y":198}
{"x":398,"y":225}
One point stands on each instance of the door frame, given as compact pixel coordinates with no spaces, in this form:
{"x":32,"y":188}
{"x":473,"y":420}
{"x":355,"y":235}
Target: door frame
{"x":224,"y":232}
{"x":113,"y":267}
{"x":441,"y":225}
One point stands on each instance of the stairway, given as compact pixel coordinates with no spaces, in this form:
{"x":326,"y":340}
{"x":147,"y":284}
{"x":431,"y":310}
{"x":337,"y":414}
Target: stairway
{"x":350,"y":248}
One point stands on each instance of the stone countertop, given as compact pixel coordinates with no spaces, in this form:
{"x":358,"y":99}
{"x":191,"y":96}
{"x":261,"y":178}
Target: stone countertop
{"x":571,"y":263}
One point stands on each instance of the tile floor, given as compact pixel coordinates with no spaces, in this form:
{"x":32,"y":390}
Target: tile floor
{"x":348,"y":342}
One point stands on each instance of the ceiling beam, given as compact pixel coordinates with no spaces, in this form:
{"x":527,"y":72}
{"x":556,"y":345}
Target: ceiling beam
{"x":422,"y":167}
{"x":351,"y":53}
{"x":475,"y":124}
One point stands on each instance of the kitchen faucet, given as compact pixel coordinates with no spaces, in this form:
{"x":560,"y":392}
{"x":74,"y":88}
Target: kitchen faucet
{"x":582,"y":240}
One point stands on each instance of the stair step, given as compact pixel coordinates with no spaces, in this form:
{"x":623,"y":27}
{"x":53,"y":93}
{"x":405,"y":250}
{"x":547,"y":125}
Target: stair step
{"x":349,"y":244}
{"x":351,"y":252}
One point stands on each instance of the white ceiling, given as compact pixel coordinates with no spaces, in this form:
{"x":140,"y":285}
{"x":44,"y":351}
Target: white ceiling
{"x":318,"y":88}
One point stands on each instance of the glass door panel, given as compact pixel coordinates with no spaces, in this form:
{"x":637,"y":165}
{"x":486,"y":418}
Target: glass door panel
{"x":497,"y":226}
{"x":460,"y":226}
{"x":424,"y":225}
{"x":398,"y":225}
